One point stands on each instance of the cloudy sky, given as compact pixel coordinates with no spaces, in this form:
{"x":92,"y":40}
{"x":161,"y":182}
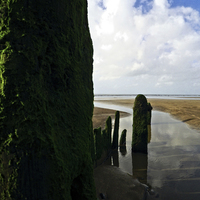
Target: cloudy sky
{"x":145,"y":46}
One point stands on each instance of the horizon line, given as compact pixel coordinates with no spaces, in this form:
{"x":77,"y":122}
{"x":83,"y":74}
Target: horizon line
{"x":147,"y":94}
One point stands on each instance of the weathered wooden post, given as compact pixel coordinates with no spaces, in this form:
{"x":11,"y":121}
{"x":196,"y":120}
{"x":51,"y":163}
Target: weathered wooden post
{"x":122,"y":141}
{"x":116,"y":131}
{"x":149,"y":109}
{"x":98,"y":142}
{"x":140,"y":131}
{"x":104,"y":140}
{"x":108,"y":130}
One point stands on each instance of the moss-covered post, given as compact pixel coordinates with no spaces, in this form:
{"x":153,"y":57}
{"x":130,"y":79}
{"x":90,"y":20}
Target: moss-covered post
{"x":140,"y":131}
{"x":46,"y":100}
{"x":108,"y":129}
{"x":98,"y":142}
{"x":122,"y":141}
{"x":104,"y":140}
{"x":116,"y":131}
{"x":149,"y":109}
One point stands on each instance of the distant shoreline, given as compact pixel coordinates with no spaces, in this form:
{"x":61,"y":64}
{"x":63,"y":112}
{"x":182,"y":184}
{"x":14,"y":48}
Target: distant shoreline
{"x":186,"y":110}
{"x":153,"y":95}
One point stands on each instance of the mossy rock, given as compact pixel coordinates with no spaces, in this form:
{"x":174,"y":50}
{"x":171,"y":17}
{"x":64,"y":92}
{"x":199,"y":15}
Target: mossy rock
{"x":46,"y":100}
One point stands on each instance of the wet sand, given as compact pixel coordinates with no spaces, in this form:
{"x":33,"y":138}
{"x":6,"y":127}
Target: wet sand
{"x":114,"y":184}
{"x":186,"y":110}
{"x":100,"y":116}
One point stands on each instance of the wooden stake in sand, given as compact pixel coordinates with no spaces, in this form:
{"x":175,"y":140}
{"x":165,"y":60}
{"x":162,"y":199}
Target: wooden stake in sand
{"x":116,"y":131}
{"x":140,"y":131}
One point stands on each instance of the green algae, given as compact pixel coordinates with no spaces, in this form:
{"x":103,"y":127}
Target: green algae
{"x":46,"y":99}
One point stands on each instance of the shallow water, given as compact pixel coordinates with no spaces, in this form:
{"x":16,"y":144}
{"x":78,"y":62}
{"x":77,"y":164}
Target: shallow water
{"x":172,"y":166}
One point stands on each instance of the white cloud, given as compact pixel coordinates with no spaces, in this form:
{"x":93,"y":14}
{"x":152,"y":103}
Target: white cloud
{"x":158,"y":50}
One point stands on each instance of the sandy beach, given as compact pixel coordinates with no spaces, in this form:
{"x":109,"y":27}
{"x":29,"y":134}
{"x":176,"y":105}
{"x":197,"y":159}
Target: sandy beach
{"x":186,"y":110}
{"x":100,"y":116}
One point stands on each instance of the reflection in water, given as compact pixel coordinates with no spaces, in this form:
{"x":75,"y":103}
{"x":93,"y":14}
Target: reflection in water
{"x":172,"y":166}
{"x":140,"y":163}
{"x":123,"y":150}
{"x":139,"y":166}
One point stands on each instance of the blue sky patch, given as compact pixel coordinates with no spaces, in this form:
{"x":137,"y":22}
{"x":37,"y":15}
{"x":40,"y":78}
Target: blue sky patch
{"x":101,"y":5}
{"x":145,"y":5}
{"x":195,"y":4}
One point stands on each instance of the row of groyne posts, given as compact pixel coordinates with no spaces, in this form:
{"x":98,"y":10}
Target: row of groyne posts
{"x":141,"y":119}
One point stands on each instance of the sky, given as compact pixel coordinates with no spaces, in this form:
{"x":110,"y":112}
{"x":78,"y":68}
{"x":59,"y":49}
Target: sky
{"x":145,"y":46}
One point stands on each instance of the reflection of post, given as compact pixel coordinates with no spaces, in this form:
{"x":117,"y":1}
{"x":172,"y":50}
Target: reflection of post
{"x":115,"y":157}
{"x":139,"y":162}
{"x":123,"y":150}
{"x":149,"y":133}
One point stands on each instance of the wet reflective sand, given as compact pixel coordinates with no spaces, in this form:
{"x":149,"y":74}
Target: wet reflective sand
{"x":171,"y":169}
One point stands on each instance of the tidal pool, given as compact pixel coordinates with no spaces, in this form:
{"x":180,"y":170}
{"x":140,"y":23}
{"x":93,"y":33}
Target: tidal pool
{"x":171,"y":169}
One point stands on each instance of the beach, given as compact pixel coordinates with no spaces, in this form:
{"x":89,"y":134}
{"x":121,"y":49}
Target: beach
{"x":186,"y":110}
{"x":108,"y":178}
{"x":100,"y":116}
